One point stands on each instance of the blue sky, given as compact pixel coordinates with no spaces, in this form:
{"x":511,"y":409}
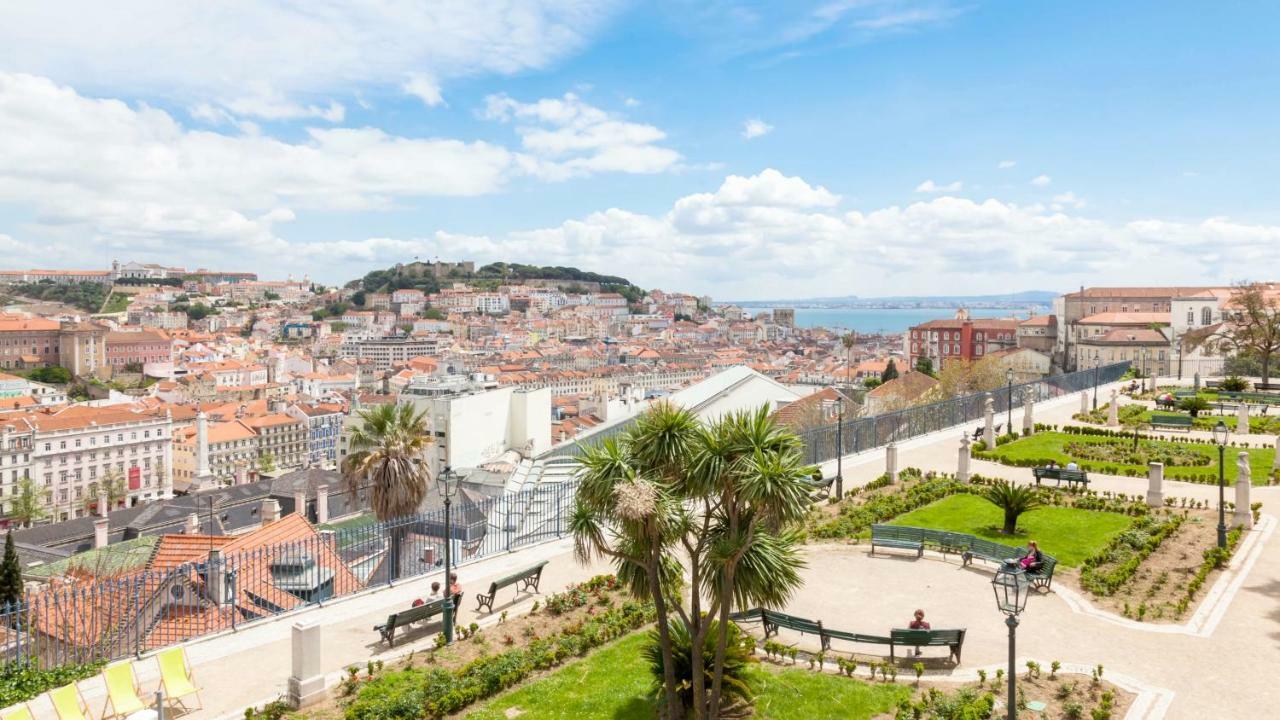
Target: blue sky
{"x":895,"y":146}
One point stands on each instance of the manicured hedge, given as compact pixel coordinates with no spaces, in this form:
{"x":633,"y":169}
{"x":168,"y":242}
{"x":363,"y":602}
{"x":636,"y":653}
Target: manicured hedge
{"x":23,"y":681}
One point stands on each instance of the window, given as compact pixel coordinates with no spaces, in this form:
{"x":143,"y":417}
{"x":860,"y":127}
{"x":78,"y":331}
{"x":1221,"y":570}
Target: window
{"x":1206,"y":316}
{"x":1191,"y":317}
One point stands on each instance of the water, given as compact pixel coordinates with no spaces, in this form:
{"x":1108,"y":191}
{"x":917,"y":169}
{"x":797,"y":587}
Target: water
{"x":888,"y":320}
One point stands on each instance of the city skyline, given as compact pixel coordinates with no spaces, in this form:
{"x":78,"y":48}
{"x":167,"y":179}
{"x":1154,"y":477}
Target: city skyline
{"x":741,"y":150}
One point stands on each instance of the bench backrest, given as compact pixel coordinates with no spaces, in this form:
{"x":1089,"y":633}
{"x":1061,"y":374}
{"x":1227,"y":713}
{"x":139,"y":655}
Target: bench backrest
{"x":516,"y":577}
{"x":421,"y":612}
{"x":897,"y":532}
{"x":857,"y":637}
{"x":1158,"y":419}
{"x":1072,"y":475}
{"x":792,"y":622}
{"x":907,"y":636}
{"x":1052,"y":473}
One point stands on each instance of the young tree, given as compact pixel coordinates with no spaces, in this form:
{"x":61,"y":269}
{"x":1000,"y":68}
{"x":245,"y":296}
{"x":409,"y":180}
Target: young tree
{"x":719,"y":504}
{"x":890,"y":372}
{"x":10,"y":575}
{"x":924,"y":365}
{"x":1013,"y":500}
{"x":1253,"y":327}
{"x":266,"y":463}
{"x":387,"y":452}
{"x":27,"y":506}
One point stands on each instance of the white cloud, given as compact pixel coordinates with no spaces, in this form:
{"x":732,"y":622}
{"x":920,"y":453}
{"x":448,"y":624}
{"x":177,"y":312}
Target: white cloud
{"x":1067,"y":199}
{"x":929,"y":186}
{"x":771,"y":235}
{"x":301,"y":53}
{"x":1006,"y":164}
{"x":568,"y":137}
{"x":104,"y":170}
{"x":631,"y":102}
{"x":425,"y":88}
{"x":1041,"y":180}
{"x":755,"y":127}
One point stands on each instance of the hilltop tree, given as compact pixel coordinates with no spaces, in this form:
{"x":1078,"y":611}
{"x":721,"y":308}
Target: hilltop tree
{"x":890,"y":372}
{"x":1254,"y":324}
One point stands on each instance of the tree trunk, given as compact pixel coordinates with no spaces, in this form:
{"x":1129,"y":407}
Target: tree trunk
{"x":722,"y":643}
{"x":674,"y":709}
{"x":697,"y":641}
{"x":1010,"y":521}
{"x":1266,"y":368}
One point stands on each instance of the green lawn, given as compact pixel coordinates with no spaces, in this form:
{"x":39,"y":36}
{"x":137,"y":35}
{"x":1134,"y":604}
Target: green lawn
{"x":614,"y":683}
{"x":1046,"y":446}
{"x":1068,"y":534}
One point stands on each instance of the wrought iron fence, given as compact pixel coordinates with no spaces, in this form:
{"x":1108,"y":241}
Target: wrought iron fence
{"x":189,"y":590}
{"x":866,"y":433}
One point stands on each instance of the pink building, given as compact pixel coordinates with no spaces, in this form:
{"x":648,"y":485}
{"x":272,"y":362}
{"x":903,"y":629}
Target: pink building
{"x":143,"y":346}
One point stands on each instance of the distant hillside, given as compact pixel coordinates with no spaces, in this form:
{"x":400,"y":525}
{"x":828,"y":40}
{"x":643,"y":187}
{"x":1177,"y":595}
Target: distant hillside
{"x":1029,"y":297}
{"x":424,"y":276}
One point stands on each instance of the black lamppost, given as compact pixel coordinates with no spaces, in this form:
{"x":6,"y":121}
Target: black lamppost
{"x":1012,"y":588}
{"x":1220,"y":436}
{"x":1095,"y":382}
{"x":1008,"y":379}
{"x":839,"y":447}
{"x":447,"y":483}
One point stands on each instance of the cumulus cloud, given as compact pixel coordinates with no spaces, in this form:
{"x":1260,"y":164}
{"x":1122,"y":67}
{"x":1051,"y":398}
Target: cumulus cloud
{"x":300,"y":54}
{"x":771,"y":235}
{"x":1067,"y":199}
{"x":1006,"y":164}
{"x":569,"y":137}
{"x":929,"y":186}
{"x":425,"y":88}
{"x":1041,"y":180}
{"x":755,"y":127}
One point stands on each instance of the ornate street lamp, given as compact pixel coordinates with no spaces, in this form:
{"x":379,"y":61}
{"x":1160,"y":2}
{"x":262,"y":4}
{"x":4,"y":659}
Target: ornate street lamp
{"x":447,"y":484}
{"x":1008,"y":379}
{"x":1012,"y":588}
{"x":1220,"y":437}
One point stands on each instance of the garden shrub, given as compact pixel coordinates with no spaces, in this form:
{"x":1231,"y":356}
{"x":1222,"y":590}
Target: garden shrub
{"x":1104,"y":572}
{"x":23,"y":681}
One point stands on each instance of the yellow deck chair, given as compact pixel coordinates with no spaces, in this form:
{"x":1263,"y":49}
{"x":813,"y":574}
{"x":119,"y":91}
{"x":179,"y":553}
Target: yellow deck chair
{"x":22,"y":713}
{"x":122,"y":691}
{"x":176,"y":677}
{"x":68,"y":703}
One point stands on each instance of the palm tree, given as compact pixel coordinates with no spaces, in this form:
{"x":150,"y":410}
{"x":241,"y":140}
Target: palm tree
{"x":1013,"y":500}
{"x":848,"y":339}
{"x":387,"y":455}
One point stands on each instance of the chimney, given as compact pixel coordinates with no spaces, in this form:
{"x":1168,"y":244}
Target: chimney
{"x":300,"y":502}
{"x":100,"y":533}
{"x":322,"y":504}
{"x":193,"y":524}
{"x":270,"y":511}
{"x":216,"y":584}
{"x":102,"y":503}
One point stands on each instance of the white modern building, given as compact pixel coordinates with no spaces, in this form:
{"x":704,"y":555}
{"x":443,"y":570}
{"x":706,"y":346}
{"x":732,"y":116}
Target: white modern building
{"x":474,"y":424}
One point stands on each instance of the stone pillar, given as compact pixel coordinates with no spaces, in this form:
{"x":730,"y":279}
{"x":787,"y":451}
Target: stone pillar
{"x":1113,"y":412}
{"x":989,"y":417}
{"x":1242,"y":418}
{"x":962,"y":459}
{"x":1155,"y":484}
{"x":891,"y":461}
{"x":202,"y":445}
{"x":1243,"y":517}
{"x":217,"y":582}
{"x":1028,"y":422}
{"x":1084,"y":403}
{"x":101,"y":533}
{"x":270,"y":511}
{"x":306,"y":680}
{"x":300,"y":502}
{"x":322,"y":504}
{"x":103,"y":502}
{"x":1275,"y":464}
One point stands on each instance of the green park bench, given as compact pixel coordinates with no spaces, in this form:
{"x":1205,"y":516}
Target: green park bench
{"x":1184,"y":394}
{"x":1165,"y":420}
{"x":528,"y":579}
{"x":999,"y":553}
{"x":897,"y":536}
{"x":404,"y":618}
{"x":820,"y":488}
{"x":1073,"y":478}
{"x":771,"y":621}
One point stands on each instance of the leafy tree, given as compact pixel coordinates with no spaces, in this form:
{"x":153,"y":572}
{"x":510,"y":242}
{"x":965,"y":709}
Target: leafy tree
{"x":872,"y":383}
{"x":199,"y":311}
{"x":113,"y":485}
{"x":10,"y":574}
{"x":924,"y":365}
{"x":270,"y":295}
{"x":27,"y":505}
{"x":720,"y":504}
{"x":54,"y":375}
{"x":434,"y":314}
{"x":890,"y":372}
{"x":266,"y":463}
{"x":1013,"y":500}
{"x":388,"y":453}
{"x":358,"y":298}
{"x":1254,"y":324}
{"x":1193,"y":405}
{"x":964,"y":377}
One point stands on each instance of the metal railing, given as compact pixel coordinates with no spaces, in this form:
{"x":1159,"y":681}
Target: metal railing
{"x":866,"y":433}
{"x":83,"y":617}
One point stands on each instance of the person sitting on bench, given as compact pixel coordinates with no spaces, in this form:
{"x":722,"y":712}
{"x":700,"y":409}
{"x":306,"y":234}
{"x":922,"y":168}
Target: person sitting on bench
{"x":1072,"y":465}
{"x":919,"y":623}
{"x":1033,"y":561}
{"x":1053,"y":465}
